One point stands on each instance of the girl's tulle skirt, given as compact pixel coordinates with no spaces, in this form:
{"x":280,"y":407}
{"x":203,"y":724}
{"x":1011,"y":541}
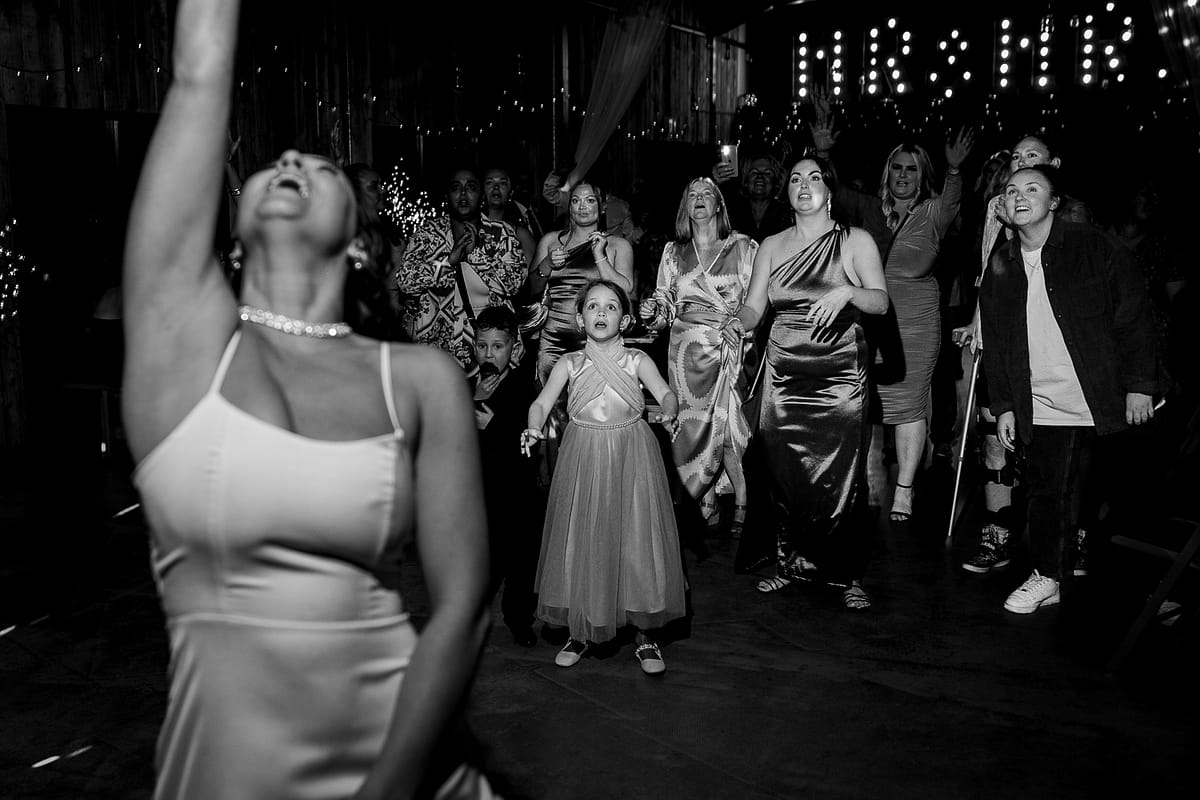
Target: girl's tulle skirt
{"x":610,"y":548}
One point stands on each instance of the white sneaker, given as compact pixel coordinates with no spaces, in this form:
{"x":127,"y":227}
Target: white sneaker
{"x":1035,"y":592}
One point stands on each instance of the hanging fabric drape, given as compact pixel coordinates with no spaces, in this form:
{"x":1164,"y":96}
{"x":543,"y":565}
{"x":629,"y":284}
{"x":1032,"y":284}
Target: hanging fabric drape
{"x":1179,"y":27}
{"x":630,"y":42}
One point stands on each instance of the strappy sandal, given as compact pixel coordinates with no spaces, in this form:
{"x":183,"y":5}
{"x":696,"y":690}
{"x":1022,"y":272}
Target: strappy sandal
{"x":855,"y":598}
{"x":710,"y":511}
{"x":900,"y":514}
{"x":771,"y":585}
{"x":739,"y":521}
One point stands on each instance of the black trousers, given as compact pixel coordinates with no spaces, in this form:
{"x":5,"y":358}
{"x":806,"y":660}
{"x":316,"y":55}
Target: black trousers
{"x":516,"y":514}
{"x":1060,"y":466}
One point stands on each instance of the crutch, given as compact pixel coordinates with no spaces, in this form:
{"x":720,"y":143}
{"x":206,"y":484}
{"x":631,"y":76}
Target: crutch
{"x":962,"y":449}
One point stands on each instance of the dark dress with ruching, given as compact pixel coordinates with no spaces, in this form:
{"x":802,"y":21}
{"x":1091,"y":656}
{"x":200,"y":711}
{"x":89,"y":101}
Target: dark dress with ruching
{"x":908,"y":339}
{"x":813,"y":419}
{"x":561,"y":334}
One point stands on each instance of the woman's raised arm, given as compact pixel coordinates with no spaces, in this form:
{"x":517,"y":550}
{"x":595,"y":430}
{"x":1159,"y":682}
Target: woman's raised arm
{"x":169,"y":245}
{"x":179,"y":311}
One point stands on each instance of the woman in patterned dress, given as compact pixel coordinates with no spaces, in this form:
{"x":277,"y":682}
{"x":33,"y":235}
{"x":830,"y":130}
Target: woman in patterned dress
{"x":456,"y":266}
{"x":702,"y":281}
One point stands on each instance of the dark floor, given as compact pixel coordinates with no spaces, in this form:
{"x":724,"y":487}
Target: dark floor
{"x":935,"y":692}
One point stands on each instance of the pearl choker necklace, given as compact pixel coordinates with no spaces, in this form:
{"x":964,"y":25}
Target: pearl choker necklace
{"x":296,"y":327}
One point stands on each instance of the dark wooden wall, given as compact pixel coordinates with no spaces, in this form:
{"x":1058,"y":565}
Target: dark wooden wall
{"x":81,"y":83}
{"x":478,"y":77}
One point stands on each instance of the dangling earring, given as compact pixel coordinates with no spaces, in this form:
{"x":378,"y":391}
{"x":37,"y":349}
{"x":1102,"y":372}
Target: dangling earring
{"x":357,"y":255}
{"x":235,"y":255}
{"x":829,"y":209}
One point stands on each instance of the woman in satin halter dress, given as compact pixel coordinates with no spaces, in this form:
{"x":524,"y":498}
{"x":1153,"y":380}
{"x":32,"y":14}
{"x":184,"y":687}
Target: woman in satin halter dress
{"x":817,"y":277}
{"x":284,"y":463}
{"x":568,"y":260}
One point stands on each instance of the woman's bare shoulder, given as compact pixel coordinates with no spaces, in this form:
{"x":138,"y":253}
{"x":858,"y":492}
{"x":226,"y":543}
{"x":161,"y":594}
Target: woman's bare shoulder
{"x":857,"y":238}
{"x":425,"y":367}
{"x":619,"y":242}
{"x":772,"y":243}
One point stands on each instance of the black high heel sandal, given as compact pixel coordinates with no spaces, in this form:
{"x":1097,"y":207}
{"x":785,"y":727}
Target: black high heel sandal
{"x":738,"y":522}
{"x":899,"y":514}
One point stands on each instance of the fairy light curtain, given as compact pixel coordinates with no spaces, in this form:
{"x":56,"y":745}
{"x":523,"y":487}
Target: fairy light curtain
{"x":1179,"y":27}
{"x":630,"y":43}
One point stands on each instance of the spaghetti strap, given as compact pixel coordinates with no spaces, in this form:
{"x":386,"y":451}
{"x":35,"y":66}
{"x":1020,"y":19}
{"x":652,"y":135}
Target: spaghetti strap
{"x":223,"y":365}
{"x":385,"y":375}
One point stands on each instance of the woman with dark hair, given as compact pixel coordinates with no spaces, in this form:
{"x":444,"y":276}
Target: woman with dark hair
{"x":285,"y":462}
{"x":456,"y":266}
{"x":702,"y":281}
{"x":565,"y":262}
{"x":1070,"y":359}
{"x":818,"y":277}
{"x":907,"y":219}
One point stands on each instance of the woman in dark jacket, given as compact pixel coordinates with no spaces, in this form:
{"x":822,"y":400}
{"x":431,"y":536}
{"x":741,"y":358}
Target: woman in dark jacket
{"x":1070,"y":358}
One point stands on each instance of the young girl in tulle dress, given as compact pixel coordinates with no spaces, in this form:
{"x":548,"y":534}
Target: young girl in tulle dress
{"x":610,"y":548}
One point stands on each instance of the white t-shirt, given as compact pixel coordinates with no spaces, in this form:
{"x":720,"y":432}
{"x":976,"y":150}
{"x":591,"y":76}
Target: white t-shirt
{"x":1057,"y":396}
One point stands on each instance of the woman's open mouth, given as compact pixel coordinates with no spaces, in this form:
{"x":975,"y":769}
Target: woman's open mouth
{"x":290,"y":182}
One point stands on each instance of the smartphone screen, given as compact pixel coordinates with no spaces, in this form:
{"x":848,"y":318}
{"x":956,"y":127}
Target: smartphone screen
{"x":729,"y":155}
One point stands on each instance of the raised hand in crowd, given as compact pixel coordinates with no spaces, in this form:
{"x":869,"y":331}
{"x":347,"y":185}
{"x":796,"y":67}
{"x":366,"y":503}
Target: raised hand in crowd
{"x":463,"y":245}
{"x":823,"y":128}
{"x":959,"y":147}
{"x":724,"y":171}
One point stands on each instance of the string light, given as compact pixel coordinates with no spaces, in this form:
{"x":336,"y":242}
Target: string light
{"x":1047,"y":28}
{"x":406,"y":207}
{"x":801,"y":65}
{"x":819,"y":59}
{"x":14,"y":268}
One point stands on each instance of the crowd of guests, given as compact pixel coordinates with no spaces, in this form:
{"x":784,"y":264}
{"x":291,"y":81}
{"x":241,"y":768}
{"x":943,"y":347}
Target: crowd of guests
{"x":472,"y":389}
{"x":788,"y":312}
{"x":795,"y":311}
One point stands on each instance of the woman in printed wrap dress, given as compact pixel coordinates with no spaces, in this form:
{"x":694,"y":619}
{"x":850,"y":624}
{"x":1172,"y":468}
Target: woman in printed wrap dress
{"x":702,"y":282}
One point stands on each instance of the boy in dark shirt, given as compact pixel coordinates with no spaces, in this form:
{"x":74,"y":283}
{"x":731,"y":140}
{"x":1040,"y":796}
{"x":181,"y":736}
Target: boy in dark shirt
{"x":503,"y":395}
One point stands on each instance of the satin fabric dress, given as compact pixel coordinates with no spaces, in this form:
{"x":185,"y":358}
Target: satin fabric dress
{"x":277,"y":557}
{"x":703,"y":370}
{"x":561,"y":334}
{"x":813,"y":419}
{"x":610,"y":548}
